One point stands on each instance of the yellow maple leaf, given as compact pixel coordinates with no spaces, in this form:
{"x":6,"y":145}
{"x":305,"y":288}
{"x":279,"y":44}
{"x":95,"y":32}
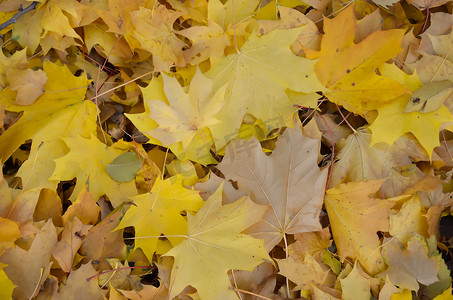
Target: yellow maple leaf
{"x":424,"y":126}
{"x":16,"y":76}
{"x":87,"y":160}
{"x":79,"y":118}
{"x":197,"y":150}
{"x":407,"y":220}
{"x":118,"y":15}
{"x":50,"y":17}
{"x":214,"y":245}
{"x":6,"y":285}
{"x":84,"y":209}
{"x":154,"y":31}
{"x":348,"y":69}
{"x":16,"y":61}
{"x":62,"y":98}
{"x":355,"y":219}
{"x":230,"y":13}
{"x":355,"y":286}
{"x":259,"y":76}
{"x":107,"y":44}
{"x":304,"y":272}
{"x":188,"y":113}
{"x":27,"y":83}
{"x":159,"y":212}
{"x":207,"y":42}
{"x":9,"y":233}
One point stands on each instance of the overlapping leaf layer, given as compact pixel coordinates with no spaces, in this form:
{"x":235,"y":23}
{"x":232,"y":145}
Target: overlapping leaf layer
{"x":226,"y":149}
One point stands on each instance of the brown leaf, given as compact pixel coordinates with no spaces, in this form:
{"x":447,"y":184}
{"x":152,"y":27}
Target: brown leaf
{"x":78,"y":285}
{"x":288,"y":181}
{"x":29,"y":269}
{"x":71,"y":240}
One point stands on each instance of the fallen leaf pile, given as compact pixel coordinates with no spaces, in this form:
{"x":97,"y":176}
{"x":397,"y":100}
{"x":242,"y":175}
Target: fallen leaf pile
{"x":226,"y":149}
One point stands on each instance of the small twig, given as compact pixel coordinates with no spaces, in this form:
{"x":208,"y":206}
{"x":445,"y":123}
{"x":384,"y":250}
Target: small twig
{"x":93,"y":99}
{"x":250,"y":293}
{"x":124,"y":268}
{"x":446,"y":145}
{"x":21,"y":12}
{"x":344,"y":118}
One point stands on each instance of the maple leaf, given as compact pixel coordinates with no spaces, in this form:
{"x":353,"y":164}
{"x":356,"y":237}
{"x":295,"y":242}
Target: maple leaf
{"x":207,"y":188}
{"x":148,"y":292}
{"x":97,"y":37}
{"x":291,"y":18}
{"x":23,"y":207}
{"x":306,"y":272}
{"x":430,"y":97}
{"x":259,"y":75}
{"x":191,"y":9}
{"x":77,"y":285}
{"x":102,"y":241}
{"x":154,"y":31}
{"x":313,"y":243}
{"x":29,"y":269}
{"x":16,"y":213}
{"x":49,"y":206}
{"x":154,"y":91}
{"x":424,"y":126}
{"x":58,"y":100}
{"x":159,"y":212}
{"x":118,"y":15}
{"x":359,"y":161}
{"x":433,"y":66}
{"x":86,"y":160}
{"x":7,"y":287}
{"x":69,"y":243}
{"x":441,"y":46}
{"x":198,"y":149}
{"x":84,"y":208}
{"x":79,"y":118}
{"x":9,"y":233}
{"x":407,"y":220}
{"x":238,"y":69}
{"x":28,"y":84}
{"x":350,"y":211}
{"x":17,"y":61}
{"x":348,"y":69}
{"x":289,"y":181}
{"x":355,"y":285}
{"x":214,"y":245}
{"x":427,"y":4}
{"x":187,"y":113}
{"x":50,"y":18}
{"x":230,"y":12}
{"x":207,"y":42}
{"x":411,"y":266}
